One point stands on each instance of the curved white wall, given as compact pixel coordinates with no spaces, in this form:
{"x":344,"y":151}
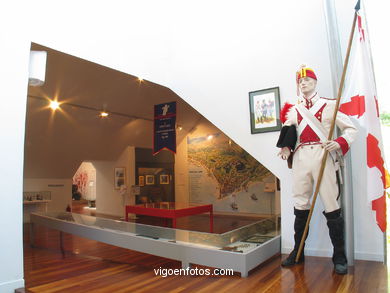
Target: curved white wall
{"x":14,"y":77}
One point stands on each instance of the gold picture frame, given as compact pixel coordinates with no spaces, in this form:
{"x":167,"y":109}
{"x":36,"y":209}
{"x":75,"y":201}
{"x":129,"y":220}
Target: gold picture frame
{"x":164,"y":179}
{"x":141,"y":180}
{"x":149,"y":179}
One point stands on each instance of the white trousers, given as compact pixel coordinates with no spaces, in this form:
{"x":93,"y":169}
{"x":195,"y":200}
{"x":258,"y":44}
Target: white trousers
{"x":306,"y":167}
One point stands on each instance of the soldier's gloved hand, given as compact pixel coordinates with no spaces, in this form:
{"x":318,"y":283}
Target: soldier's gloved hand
{"x":284,"y":153}
{"x":331,"y":145}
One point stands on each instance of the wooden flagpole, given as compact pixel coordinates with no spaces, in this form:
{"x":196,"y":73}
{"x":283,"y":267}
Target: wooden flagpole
{"x":330,"y":135}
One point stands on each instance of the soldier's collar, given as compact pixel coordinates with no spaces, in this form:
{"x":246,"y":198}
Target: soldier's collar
{"x":313,"y":98}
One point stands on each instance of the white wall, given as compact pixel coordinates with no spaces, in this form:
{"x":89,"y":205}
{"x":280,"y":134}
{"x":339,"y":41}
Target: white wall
{"x":109,"y":201}
{"x":212,"y":53}
{"x":85,"y":178}
{"x":181,"y":171}
{"x":14,"y":54}
{"x":60,"y":189}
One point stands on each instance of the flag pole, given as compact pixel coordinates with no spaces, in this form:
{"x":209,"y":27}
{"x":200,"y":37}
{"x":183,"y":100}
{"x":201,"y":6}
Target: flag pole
{"x":330,"y":135}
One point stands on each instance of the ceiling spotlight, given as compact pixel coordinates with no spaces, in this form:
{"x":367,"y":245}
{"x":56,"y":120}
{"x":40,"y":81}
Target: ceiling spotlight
{"x":179,"y":127}
{"x":103,"y":114}
{"x":54,"y":105}
{"x":210,"y":137}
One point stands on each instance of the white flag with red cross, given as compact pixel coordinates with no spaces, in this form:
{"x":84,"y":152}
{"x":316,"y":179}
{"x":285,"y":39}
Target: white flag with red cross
{"x":360,"y":102}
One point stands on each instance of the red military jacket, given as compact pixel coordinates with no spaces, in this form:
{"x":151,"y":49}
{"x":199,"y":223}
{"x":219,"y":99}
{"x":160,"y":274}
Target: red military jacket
{"x":322,"y":109}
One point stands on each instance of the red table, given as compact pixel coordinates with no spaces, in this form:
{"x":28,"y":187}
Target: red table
{"x":170,"y":210}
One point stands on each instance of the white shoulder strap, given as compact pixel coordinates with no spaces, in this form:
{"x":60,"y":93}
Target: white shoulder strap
{"x":314,"y":124}
{"x":312,"y":121}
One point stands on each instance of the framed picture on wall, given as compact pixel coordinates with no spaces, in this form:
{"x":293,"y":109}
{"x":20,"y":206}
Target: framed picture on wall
{"x":149,"y":179}
{"x":119,"y":177}
{"x":164,"y":179}
{"x":264,"y":108}
{"x":141,"y":180}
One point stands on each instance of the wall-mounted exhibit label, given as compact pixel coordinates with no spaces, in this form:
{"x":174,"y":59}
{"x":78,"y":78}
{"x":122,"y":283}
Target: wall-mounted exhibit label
{"x":164,"y":134}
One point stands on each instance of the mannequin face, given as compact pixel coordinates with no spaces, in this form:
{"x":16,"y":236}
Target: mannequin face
{"x":307,"y":85}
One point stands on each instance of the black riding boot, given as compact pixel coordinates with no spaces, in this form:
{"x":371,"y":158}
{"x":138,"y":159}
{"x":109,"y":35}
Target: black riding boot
{"x":299,"y":227}
{"x":336,"y":232}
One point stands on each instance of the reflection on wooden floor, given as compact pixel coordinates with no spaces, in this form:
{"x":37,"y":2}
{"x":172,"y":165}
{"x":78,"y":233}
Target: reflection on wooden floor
{"x":91,"y":266}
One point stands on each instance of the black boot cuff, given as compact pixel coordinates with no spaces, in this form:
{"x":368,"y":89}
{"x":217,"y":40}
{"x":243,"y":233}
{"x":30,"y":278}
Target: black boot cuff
{"x":332,"y":215}
{"x":301,"y":213}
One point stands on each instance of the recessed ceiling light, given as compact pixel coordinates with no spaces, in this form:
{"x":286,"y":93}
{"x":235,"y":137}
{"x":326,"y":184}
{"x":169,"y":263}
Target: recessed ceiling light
{"x":103,"y":114}
{"x":54,"y":105}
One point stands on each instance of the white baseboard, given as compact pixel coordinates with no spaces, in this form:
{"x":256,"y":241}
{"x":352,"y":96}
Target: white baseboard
{"x":311,"y":252}
{"x":9,"y":287}
{"x":328,"y":253}
{"x":369,"y":256}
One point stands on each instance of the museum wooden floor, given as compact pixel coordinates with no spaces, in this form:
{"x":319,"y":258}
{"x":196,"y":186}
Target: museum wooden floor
{"x":91,"y":266}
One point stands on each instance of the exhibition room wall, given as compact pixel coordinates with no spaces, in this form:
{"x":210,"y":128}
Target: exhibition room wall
{"x":211,"y":64}
{"x":109,"y":200}
{"x":60,"y":191}
{"x":98,"y":182}
{"x":95,"y":178}
{"x":85,"y":180}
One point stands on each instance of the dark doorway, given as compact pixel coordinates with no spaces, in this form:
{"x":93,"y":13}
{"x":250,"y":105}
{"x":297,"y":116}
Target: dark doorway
{"x":155,"y":176}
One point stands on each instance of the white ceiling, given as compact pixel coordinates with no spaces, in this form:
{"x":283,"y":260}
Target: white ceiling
{"x":57,"y":142}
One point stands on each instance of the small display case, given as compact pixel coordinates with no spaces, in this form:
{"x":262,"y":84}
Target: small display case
{"x":36,"y":196}
{"x":35,"y":201}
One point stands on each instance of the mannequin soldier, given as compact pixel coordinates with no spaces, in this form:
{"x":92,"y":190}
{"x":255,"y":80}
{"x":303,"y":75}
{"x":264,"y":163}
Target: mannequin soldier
{"x":303,"y":141}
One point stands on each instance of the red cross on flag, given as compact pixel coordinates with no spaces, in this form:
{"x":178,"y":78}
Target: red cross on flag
{"x":361,"y":104}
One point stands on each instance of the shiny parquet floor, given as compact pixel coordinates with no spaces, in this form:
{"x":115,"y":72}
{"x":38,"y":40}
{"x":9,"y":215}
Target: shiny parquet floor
{"x":91,"y":266}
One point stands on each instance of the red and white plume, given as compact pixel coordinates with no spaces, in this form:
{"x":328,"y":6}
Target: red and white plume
{"x":361,"y":104}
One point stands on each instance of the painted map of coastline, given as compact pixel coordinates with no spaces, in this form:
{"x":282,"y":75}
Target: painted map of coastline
{"x":225,"y":162}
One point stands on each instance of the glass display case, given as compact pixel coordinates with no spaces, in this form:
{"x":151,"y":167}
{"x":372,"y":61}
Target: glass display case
{"x":241,"y":249}
{"x":36,"y":196}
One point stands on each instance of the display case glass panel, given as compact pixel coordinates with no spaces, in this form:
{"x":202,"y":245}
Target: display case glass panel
{"x":239,"y":240}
